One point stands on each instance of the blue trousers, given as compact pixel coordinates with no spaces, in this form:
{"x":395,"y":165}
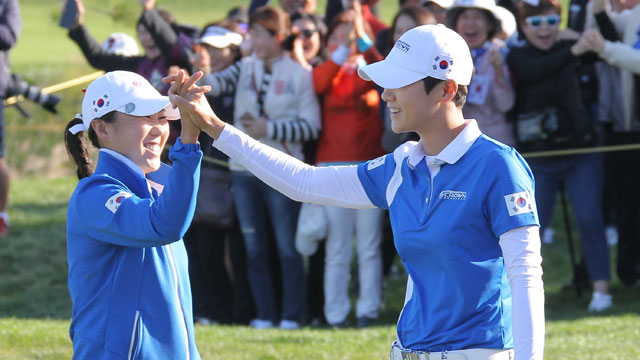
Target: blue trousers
{"x":581,"y":177}
{"x":256,"y":205}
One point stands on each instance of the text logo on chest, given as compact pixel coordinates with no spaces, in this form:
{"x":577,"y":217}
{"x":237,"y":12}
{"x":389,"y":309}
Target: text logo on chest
{"x":453,"y":195}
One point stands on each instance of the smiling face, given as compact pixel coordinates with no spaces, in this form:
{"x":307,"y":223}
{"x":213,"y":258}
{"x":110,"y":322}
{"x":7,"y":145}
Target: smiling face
{"x":309,"y":36}
{"x":146,"y":40}
{"x":474,"y":26}
{"x":139,"y":138}
{"x":541,"y":34}
{"x":410,"y":106}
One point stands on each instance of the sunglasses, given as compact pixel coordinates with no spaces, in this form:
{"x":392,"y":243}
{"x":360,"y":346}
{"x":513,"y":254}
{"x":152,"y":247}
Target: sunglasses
{"x":537,"y":21}
{"x":307,"y":33}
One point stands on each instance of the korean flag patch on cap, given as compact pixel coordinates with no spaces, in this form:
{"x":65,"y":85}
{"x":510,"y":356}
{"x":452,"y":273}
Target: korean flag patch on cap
{"x":114,"y":202}
{"x":519,"y":203}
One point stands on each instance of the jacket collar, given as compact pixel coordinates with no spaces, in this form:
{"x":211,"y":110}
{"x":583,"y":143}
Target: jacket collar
{"x":453,"y":151}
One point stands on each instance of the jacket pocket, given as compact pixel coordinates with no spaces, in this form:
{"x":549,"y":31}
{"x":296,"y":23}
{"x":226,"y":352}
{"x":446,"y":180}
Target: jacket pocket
{"x":136,"y":337}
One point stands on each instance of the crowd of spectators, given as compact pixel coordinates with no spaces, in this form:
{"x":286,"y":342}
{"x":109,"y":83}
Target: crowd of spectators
{"x":287,"y":76}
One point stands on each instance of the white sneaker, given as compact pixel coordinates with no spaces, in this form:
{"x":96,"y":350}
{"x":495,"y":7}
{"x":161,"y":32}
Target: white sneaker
{"x":260,"y":324}
{"x":600,"y":301}
{"x":289,"y":325}
{"x":611,"y":233}
{"x":547,"y":235}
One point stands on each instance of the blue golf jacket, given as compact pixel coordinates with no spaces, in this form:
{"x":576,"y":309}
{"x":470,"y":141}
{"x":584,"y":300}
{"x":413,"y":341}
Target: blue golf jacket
{"x":128,"y":269}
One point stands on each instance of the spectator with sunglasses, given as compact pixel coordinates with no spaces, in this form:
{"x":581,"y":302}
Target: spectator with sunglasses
{"x":307,"y":39}
{"x":550,"y":114}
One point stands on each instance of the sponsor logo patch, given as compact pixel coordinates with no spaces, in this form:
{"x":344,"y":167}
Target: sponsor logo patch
{"x":519,"y":203}
{"x":114,"y":202}
{"x":453,"y":195}
{"x":376,"y":162}
{"x":402,"y":46}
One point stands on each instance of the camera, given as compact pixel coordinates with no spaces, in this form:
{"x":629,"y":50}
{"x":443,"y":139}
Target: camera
{"x":17,"y":87}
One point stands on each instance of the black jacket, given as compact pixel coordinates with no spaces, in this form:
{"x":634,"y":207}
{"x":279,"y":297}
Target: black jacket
{"x":548,"y":81}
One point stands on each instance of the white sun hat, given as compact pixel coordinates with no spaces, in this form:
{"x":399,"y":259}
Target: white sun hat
{"x":220,"y":37}
{"x":424,"y":51}
{"x":121,"y":44}
{"x":507,"y":21}
{"x":122,"y":91}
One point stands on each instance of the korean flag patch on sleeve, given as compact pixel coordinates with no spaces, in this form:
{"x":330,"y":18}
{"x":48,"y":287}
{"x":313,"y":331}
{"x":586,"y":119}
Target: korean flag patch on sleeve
{"x":519,"y":203}
{"x":114,"y":202}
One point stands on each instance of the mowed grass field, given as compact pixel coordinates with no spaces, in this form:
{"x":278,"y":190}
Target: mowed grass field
{"x":34,"y":304}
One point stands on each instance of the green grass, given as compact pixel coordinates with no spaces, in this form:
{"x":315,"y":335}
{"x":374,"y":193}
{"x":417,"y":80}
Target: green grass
{"x":34,"y":303}
{"x":35,"y":306}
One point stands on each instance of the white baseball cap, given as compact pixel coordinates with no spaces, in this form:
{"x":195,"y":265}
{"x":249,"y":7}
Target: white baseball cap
{"x":220,"y":37}
{"x":122,"y":91}
{"x":120,"y":44}
{"x":424,"y":51}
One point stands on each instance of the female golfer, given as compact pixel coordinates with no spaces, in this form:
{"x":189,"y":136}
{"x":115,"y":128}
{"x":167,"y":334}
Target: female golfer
{"x":128,"y":275}
{"x":461,"y":204}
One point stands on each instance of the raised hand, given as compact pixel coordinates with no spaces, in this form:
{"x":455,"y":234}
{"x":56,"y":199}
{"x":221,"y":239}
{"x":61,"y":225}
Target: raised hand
{"x":594,"y":40}
{"x":189,"y":98}
{"x":147,"y":4}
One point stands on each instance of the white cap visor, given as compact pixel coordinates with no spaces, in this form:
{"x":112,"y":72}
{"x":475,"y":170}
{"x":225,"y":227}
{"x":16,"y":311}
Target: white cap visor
{"x":388,"y":75}
{"x":150,"y":106}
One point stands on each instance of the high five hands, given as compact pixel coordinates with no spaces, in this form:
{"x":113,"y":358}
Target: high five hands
{"x":189,"y":98}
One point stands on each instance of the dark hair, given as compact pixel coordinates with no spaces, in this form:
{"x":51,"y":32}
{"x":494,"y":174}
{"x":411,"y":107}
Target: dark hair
{"x":274,"y":20}
{"x":525,"y":10}
{"x":461,"y":95}
{"x":495,"y":27}
{"x":419,"y":14}
{"x":76,"y":147}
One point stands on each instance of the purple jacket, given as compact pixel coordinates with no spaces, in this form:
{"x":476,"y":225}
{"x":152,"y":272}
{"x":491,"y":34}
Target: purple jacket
{"x":173,"y":52}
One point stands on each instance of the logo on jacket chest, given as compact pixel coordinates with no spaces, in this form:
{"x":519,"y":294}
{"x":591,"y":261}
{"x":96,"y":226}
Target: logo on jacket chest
{"x":452,"y":195}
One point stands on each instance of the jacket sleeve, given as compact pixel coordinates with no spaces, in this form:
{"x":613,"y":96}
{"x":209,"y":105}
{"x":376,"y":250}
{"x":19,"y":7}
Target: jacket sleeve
{"x":142,"y":222}
{"x":527,"y":69}
{"x":323,"y":76}
{"x":10,"y":25}
{"x":224,"y":81}
{"x":166,"y":39}
{"x":99,"y":58}
{"x":621,"y":55}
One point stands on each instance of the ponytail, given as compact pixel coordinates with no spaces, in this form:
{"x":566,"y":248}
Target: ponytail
{"x":77,"y":150}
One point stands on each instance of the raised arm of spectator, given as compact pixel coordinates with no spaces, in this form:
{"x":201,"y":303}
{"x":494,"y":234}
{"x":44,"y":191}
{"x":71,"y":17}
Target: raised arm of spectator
{"x":223,"y":82}
{"x":10,"y":24}
{"x":92,"y":50}
{"x":526,"y":69}
{"x":615,"y":53}
{"x":166,"y":38}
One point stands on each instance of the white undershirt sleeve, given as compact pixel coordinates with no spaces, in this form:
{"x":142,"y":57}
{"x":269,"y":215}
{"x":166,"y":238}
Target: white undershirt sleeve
{"x":331,"y":185}
{"x":521,"y":251}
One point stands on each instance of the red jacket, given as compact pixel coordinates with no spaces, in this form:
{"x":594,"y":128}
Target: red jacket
{"x":351,"y":125}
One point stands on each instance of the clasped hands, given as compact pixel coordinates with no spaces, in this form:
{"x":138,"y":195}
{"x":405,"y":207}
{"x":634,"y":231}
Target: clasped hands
{"x":195,"y":112}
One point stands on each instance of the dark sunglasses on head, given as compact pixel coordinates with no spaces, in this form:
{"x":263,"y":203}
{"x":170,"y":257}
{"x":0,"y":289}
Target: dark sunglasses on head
{"x":537,"y":21}
{"x":307,"y":33}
